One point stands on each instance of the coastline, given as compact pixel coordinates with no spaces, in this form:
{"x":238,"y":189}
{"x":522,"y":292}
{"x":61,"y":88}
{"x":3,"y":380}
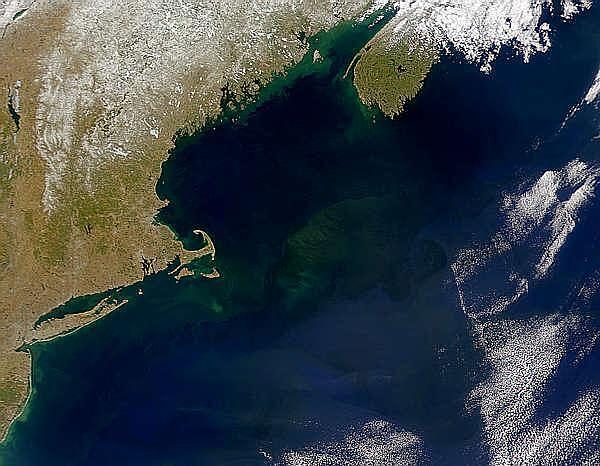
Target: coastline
{"x":5,"y":431}
{"x":76,"y":254}
{"x":24,"y":348}
{"x":55,"y":328}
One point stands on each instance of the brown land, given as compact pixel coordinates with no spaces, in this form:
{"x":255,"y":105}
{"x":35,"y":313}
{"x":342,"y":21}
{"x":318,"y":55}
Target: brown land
{"x":47,"y":259}
{"x":96,"y":112}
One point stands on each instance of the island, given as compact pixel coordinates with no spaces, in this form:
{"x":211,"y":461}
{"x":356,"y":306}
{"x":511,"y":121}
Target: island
{"x":96,"y":91}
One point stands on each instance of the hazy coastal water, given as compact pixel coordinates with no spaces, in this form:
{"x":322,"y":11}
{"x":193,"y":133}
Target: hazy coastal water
{"x":334,"y":230}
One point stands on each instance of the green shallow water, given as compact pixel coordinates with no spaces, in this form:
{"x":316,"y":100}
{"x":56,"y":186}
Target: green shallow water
{"x":336,"y":305}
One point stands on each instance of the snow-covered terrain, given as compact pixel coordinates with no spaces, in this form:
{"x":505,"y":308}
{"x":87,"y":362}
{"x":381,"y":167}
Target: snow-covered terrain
{"x":130,"y":67}
{"x":127,"y":68}
{"x":118,"y":76}
{"x":11,"y":10}
{"x":479,"y":29}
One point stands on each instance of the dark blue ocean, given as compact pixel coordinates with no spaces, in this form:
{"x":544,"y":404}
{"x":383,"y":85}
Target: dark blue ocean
{"x":340,"y":308}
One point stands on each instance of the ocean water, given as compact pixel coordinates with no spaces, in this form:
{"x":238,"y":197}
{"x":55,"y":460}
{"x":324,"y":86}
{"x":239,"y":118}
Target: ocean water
{"x":345,"y":326}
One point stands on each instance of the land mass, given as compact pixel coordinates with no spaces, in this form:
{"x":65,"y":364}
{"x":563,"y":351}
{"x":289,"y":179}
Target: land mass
{"x":95,"y":92}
